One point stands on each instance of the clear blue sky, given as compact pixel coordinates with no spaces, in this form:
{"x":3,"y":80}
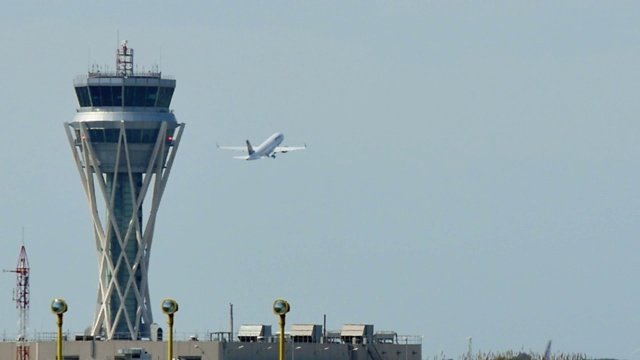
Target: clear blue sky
{"x":472,"y":169}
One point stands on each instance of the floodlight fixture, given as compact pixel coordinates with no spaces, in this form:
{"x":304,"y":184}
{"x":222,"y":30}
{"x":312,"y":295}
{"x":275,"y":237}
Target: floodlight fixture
{"x":58,"y":306}
{"x":169,"y":306}
{"x":281,"y":307}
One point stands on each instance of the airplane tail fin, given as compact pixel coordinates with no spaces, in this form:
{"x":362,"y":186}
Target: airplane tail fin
{"x":249,"y":148}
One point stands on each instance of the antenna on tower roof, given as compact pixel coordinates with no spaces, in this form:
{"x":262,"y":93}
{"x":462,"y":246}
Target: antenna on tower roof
{"x":124,"y":60}
{"x":21,"y":297}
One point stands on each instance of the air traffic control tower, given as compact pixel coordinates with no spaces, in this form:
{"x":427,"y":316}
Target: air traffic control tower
{"x":124,"y":139}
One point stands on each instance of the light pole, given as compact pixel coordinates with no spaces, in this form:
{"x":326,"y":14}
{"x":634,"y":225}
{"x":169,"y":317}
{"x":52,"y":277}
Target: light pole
{"x":201,"y":350}
{"x":406,"y":347}
{"x":170,"y":307}
{"x":281,"y":307}
{"x":59,"y":307}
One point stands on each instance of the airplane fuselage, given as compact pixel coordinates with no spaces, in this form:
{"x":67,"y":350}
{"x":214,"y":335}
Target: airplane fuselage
{"x":267,"y":147}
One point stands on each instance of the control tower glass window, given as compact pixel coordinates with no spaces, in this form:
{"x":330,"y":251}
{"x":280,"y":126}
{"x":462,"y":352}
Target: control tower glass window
{"x":134,"y":136}
{"x":164,"y":97}
{"x":144,"y":96}
{"x":144,"y":136}
{"x":134,"y":96}
{"x":106,"y":95}
{"x":83,"y":96}
{"x":111,"y":135}
{"x":96,"y":135}
{"x":149,"y":136}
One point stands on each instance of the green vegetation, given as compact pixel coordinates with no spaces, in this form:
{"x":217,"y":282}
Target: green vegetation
{"x":516,"y":355}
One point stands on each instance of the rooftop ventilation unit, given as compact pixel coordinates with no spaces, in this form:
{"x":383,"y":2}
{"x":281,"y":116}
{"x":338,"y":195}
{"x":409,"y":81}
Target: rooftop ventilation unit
{"x":306,"y":333}
{"x":254,"y":333}
{"x":356,"y":333}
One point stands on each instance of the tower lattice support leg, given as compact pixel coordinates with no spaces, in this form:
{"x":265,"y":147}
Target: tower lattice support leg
{"x":123,"y":242}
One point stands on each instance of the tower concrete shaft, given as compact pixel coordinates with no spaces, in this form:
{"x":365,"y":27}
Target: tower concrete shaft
{"x":124,"y":140}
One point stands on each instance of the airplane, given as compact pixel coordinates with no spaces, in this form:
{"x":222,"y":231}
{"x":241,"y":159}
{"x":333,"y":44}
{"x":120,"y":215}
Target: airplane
{"x":269,"y":148}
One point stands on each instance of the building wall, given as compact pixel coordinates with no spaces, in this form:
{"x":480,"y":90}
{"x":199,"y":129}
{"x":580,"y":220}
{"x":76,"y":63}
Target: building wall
{"x":217,"y":350}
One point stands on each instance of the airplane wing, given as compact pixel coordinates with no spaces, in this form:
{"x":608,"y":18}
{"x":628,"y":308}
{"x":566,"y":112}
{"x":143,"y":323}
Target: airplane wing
{"x":284,"y":149}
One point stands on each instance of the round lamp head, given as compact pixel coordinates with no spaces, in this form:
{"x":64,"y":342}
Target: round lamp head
{"x":169,"y":306}
{"x":58,"y":306}
{"x":281,"y":307}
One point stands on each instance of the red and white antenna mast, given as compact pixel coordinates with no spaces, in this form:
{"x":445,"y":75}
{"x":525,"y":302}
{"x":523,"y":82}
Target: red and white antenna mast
{"x":21,"y":297}
{"x":124,"y":60}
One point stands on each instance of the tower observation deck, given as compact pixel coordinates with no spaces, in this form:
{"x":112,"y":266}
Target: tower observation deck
{"x":124,"y":139}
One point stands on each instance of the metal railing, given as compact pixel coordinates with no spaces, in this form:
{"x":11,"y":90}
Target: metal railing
{"x":213,"y":336}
